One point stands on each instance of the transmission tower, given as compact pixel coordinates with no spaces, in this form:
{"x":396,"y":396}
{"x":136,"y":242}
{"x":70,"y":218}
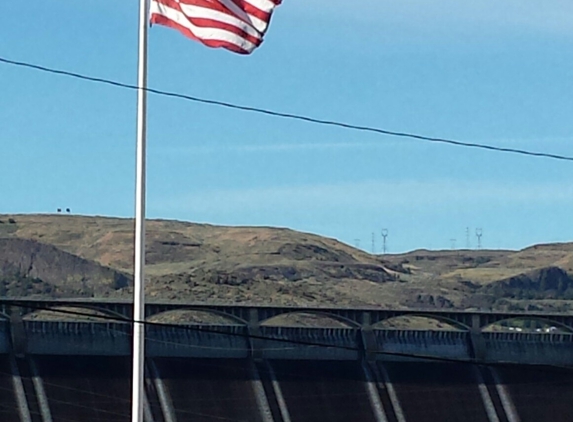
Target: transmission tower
{"x":384,"y":244}
{"x":357,"y":243}
{"x":479,"y":233}
{"x":468,"y":244}
{"x":453,"y":241}
{"x":373,"y":243}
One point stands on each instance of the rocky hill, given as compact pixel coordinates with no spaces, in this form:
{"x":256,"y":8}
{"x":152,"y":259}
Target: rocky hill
{"x":31,"y":268}
{"x":63,"y":255}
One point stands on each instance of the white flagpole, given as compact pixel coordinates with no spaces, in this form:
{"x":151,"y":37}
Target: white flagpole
{"x":139,"y":266}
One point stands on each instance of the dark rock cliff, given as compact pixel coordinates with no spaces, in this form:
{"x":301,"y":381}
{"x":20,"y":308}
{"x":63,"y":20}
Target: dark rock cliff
{"x":544,"y":283}
{"x":30,"y":267}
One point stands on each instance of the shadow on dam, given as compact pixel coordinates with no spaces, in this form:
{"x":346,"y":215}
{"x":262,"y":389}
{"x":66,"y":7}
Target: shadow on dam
{"x":540,"y":393}
{"x":8,"y":404}
{"x":91,"y":388}
{"x":82,"y":389}
{"x":206,"y":390}
{"x":430,"y":392}
{"x":315,"y":390}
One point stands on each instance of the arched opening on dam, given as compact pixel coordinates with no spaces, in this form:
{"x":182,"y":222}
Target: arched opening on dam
{"x":309,"y":319}
{"x":74,"y":313}
{"x":537,"y":325}
{"x":420,"y":322}
{"x":195,"y":317}
{"x":196,"y":333}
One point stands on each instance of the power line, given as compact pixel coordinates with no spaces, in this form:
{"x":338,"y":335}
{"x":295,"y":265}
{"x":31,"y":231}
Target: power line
{"x":288,"y":115}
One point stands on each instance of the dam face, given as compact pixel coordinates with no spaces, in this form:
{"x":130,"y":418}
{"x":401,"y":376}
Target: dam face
{"x":80,"y":389}
{"x":80,"y":371}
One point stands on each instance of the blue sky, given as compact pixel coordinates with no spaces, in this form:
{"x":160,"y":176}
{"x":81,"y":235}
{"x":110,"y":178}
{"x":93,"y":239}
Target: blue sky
{"x":490,"y":71}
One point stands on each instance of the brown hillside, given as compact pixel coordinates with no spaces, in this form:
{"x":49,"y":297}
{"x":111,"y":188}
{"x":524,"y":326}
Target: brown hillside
{"x":203,"y":262}
{"x":200,"y":262}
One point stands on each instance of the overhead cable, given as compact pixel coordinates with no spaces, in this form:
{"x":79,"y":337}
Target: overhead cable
{"x":285,"y":115}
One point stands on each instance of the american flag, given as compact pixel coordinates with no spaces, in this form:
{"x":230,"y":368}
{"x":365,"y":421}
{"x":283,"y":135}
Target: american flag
{"x":237,"y":25}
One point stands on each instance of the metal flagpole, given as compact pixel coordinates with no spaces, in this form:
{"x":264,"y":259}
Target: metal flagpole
{"x":139,"y":266}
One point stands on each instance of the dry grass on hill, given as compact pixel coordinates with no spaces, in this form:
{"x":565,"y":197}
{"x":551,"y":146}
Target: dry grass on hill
{"x":205,"y":263}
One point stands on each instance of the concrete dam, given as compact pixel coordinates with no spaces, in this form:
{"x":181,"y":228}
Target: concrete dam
{"x":71,"y":369}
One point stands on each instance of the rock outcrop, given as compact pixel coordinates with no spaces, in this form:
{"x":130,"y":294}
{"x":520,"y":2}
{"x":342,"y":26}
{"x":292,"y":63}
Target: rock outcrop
{"x":30,"y":267}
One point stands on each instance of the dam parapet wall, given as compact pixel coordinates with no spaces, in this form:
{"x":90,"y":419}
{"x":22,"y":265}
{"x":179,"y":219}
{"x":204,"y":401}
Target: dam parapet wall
{"x":84,"y":338}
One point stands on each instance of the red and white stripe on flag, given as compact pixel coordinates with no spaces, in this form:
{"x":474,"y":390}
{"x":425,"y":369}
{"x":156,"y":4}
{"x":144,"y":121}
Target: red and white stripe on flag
{"x":237,"y":25}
